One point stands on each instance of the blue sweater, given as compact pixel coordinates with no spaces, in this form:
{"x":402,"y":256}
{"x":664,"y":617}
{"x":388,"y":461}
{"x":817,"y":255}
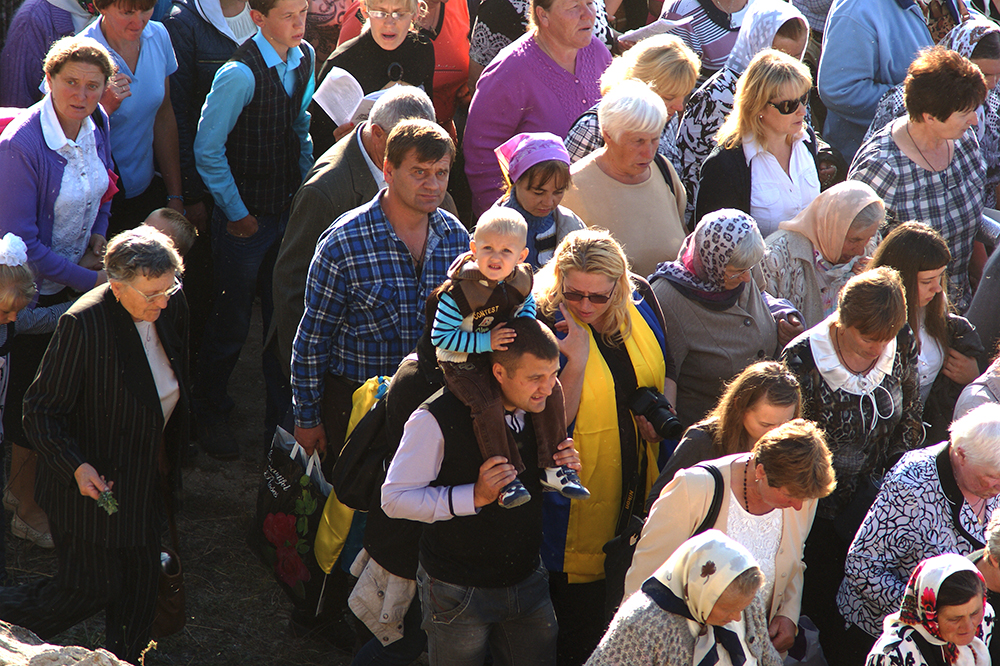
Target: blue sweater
{"x":867,"y":47}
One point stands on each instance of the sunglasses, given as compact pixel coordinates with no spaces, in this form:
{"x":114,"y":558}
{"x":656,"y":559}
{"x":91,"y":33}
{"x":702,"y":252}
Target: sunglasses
{"x":174,"y":288}
{"x":596,"y":299}
{"x":789,"y":105}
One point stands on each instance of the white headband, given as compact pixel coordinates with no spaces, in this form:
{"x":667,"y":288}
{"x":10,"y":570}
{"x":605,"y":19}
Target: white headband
{"x":13,"y":251}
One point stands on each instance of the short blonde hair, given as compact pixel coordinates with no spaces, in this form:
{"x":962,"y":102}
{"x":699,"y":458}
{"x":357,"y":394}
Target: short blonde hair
{"x":17,"y":287}
{"x":795,"y":457}
{"x":662,"y":61}
{"x":502,"y":221}
{"x":768,"y":74}
{"x":589,"y":251}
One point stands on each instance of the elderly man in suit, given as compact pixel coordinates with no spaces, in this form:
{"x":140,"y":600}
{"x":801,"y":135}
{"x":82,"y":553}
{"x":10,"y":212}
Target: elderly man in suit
{"x":108,"y":410}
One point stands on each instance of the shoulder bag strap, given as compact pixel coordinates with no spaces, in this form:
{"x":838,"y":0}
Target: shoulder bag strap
{"x":713,"y":510}
{"x":953,"y":494}
{"x":661,"y":164}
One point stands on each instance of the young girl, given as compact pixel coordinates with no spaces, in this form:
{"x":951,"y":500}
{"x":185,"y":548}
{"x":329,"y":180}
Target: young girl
{"x":947,"y":344}
{"x":17,"y":291}
{"x":535,"y":166}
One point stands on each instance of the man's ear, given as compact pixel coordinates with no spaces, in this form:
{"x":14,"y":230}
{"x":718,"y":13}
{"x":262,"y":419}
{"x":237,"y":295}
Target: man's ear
{"x":499,"y":373}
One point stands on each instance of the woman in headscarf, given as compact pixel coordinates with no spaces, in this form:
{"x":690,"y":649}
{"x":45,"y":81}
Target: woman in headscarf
{"x":769,"y":24}
{"x":698,"y":608}
{"x":717,"y":317}
{"x":978,"y":40}
{"x":814,"y":254}
{"x":943,"y":618}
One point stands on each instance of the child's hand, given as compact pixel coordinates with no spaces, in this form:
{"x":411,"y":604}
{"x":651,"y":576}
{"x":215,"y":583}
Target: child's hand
{"x":501,"y":337}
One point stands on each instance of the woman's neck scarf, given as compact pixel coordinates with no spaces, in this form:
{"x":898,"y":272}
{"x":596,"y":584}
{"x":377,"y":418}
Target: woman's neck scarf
{"x":700,"y":268}
{"x":760,"y":25}
{"x":826,"y":221}
{"x":918,"y":609}
{"x":691,"y":581}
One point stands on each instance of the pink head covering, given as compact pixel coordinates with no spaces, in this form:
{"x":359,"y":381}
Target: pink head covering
{"x":826,"y":221}
{"x":525,"y":150}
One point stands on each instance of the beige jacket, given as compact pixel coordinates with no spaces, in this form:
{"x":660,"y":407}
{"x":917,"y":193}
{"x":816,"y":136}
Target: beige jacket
{"x":682,"y":506}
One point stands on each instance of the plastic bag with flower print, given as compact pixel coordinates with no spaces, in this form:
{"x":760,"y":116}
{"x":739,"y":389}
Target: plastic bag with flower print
{"x":290,"y":502}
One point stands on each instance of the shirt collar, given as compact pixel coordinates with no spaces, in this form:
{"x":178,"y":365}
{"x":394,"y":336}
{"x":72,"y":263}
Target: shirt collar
{"x":834,"y":372}
{"x":271,"y":57}
{"x":751,"y":149}
{"x":376,"y":172}
{"x":55,"y":138}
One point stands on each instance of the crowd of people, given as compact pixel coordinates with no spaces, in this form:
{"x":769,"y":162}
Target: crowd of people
{"x":692,"y":329}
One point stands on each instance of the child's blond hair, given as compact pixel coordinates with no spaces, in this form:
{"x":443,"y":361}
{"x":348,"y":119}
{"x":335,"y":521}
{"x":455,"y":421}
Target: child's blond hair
{"x":178,"y":229}
{"x":502,"y":221}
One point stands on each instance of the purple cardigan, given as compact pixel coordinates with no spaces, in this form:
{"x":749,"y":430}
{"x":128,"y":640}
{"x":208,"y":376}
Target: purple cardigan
{"x":35,"y":26}
{"x":524,"y":90}
{"x":31,"y":174}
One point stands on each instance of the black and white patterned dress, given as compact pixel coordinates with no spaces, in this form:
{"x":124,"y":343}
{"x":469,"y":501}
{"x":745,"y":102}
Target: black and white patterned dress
{"x":909,"y":522}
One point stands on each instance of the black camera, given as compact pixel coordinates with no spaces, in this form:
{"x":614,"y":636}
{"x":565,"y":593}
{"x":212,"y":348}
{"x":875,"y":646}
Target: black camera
{"x":652,"y":404}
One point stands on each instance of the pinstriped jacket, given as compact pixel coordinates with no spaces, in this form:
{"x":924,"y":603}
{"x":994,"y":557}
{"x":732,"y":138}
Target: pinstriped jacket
{"x":94,"y":401}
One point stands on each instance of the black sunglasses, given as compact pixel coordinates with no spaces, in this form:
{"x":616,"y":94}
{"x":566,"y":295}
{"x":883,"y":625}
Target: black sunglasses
{"x":789,"y":106}
{"x":596,"y":299}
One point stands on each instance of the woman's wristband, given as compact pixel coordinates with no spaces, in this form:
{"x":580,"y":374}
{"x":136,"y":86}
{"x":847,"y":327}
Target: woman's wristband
{"x":170,"y":197}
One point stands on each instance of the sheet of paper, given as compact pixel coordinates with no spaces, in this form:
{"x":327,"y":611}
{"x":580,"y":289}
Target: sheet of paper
{"x":340,"y":95}
{"x":660,"y":26}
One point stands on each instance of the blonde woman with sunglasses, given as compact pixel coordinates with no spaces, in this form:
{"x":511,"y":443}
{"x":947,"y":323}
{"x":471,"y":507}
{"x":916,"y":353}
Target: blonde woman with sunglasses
{"x":613,"y":341}
{"x":765,"y":163}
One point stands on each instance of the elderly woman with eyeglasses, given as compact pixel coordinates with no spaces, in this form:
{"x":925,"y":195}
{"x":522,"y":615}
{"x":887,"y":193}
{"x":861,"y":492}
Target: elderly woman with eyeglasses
{"x":613,"y":342}
{"x":717,"y":317}
{"x":108,"y":411}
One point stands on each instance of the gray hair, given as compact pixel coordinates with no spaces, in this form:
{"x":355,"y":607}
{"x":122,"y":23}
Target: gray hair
{"x":872,"y":214}
{"x":749,"y":250}
{"x":977,"y":434}
{"x":631,"y":106}
{"x":141,"y":251}
{"x":401,"y":103}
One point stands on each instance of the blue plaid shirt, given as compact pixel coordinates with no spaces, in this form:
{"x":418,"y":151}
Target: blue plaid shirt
{"x":365,"y":301}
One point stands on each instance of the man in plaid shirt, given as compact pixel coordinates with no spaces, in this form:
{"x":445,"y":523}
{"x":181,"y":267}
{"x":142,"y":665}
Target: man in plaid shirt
{"x":369,"y":280}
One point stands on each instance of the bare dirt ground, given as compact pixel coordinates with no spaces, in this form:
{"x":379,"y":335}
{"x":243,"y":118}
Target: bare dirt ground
{"x":237,"y":615}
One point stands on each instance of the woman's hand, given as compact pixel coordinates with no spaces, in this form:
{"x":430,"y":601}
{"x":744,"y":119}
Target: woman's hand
{"x":960,"y":368}
{"x":647,"y":430}
{"x":91,"y":483}
{"x":576,"y":344}
{"x":782,"y":633}
{"x":93,"y":256}
{"x":118,"y":89}
{"x":789,"y":328}
{"x":861,"y":265}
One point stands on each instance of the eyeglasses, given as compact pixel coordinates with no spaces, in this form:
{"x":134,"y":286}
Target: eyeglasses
{"x":788,"y":106}
{"x":395,"y":16}
{"x":739,"y":274}
{"x":596,"y":299}
{"x":167,"y":293}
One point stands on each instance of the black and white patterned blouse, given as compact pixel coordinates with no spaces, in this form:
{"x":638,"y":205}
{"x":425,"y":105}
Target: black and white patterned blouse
{"x":909,"y":522}
{"x":500,"y":22}
{"x":864,"y":433}
{"x":585,"y":137}
{"x":892,"y":106}
{"x":950,"y":200}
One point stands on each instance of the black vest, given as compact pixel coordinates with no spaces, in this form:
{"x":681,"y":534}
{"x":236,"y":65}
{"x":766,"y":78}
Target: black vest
{"x":496,"y":547}
{"x":262,"y":149}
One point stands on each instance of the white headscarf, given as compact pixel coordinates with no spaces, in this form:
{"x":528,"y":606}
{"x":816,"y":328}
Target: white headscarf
{"x":760,"y":25}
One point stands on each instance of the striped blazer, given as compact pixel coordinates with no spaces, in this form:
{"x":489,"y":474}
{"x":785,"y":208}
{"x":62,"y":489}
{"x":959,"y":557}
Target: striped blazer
{"x":94,"y":401}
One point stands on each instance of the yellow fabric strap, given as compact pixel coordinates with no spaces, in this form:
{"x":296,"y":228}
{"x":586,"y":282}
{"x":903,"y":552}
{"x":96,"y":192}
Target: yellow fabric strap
{"x":336,"y":523}
{"x":592,"y":522}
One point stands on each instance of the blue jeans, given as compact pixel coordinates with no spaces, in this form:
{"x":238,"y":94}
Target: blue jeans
{"x":243,"y":268}
{"x":516,"y":624}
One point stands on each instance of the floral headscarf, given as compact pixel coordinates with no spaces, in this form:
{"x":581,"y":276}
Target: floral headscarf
{"x":702,"y":260}
{"x":964,"y":37}
{"x":760,"y":25}
{"x":919,"y":609}
{"x":691,"y":581}
{"x":826,"y":221}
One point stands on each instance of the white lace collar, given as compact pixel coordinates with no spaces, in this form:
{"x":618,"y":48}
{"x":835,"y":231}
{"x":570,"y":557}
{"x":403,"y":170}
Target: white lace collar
{"x":836,"y":375}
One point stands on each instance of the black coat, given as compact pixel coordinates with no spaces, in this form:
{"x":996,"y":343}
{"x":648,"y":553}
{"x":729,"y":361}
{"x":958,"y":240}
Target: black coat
{"x":94,"y":401}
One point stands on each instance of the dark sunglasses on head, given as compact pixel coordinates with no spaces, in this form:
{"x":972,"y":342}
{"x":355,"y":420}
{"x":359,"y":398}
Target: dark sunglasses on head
{"x":788,"y":106}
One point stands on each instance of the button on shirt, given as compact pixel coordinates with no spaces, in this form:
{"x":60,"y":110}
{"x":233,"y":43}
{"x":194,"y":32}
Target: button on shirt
{"x":84,"y":182}
{"x":231,"y":91}
{"x":365,"y":300}
{"x":776,"y":196}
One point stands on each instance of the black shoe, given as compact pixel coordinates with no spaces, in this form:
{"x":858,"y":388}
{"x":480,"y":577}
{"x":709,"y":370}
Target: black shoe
{"x":217,"y":441}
